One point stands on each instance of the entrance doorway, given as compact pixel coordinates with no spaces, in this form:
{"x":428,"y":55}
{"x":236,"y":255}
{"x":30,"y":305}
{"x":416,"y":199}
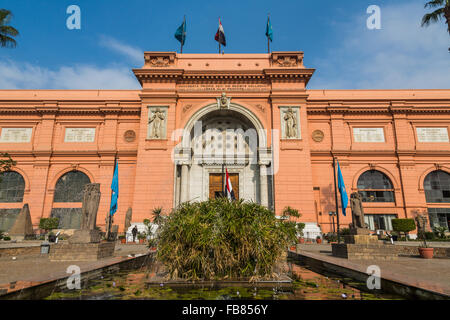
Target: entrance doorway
{"x":216,"y":186}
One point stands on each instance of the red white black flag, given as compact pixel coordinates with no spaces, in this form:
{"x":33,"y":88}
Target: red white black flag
{"x":220,"y":35}
{"x":229,"y":188}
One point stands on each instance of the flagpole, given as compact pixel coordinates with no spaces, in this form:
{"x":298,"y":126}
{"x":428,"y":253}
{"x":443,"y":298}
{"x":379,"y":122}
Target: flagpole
{"x":183,"y":34}
{"x":268,"y":38}
{"x":336,"y":199}
{"x":223,"y":180}
{"x":110,"y":217}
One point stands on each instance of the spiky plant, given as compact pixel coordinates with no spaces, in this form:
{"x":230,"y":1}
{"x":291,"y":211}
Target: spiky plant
{"x":442,"y":11}
{"x":7,"y":33}
{"x":221,"y":239}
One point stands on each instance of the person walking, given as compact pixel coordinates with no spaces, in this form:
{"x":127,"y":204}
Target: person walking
{"x":134,"y":231}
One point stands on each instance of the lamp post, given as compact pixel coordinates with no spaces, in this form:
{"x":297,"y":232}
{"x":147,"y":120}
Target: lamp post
{"x":332,"y":214}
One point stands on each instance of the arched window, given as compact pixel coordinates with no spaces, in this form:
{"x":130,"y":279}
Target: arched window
{"x":437,"y":187}
{"x":12,"y":187}
{"x":70,"y":186}
{"x":375,"y":186}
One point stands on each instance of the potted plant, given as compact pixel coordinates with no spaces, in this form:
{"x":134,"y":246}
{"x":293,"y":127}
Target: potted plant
{"x":122,"y":239}
{"x":300,"y":226}
{"x":141,"y":236}
{"x":6,"y":238}
{"x":318,"y":240}
{"x":424,"y":251}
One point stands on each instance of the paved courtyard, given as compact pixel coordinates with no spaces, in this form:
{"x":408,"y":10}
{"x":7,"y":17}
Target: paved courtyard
{"x":31,"y":269}
{"x":433,"y":274}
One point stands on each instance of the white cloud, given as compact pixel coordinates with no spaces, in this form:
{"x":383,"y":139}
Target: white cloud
{"x":28,"y":76}
{"x":134,"y":54}
{"x":402,"y":55}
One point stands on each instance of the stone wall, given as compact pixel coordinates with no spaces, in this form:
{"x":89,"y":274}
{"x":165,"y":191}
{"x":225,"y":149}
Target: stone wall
{"x":18,"y":251}
{"x":81,"y":251}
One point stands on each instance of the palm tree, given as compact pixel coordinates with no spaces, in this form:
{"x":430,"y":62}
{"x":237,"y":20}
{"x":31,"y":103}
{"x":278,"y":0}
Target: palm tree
{"x":442,"y":11}
{"x":7,"y":32}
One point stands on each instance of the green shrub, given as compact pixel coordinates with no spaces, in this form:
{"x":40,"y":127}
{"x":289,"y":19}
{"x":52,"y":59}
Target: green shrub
{"x":403,"y":225}
{"x":430,"y":235}
{"x":48,"y":223}
{"x":220,"y":238}
{"x":345,"y":232}
{"x":6,"y":238}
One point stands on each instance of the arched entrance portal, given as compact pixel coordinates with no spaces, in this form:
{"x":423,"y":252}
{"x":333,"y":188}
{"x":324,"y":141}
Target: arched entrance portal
{"x":215,"y":138}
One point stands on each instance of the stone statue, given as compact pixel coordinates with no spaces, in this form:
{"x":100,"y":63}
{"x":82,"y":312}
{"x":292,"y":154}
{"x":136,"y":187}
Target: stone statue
{"x":223,"y":102}
{"x":128,"y":219}
{"x":157,"y":119}
{"x":290,"y":122}
{"x":357,"y":211}
{"x":91,"y":200}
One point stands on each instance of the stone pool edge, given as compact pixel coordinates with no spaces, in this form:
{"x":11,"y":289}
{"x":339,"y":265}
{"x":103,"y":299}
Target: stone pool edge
{"x":389,"y":283}
{"x":45,"y":288}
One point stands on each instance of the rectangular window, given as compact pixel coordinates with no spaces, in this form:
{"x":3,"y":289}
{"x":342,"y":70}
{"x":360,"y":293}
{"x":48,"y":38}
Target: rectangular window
{"x":69,"y":218}
{"x":7,"y":218}
{"x":379,"y":221}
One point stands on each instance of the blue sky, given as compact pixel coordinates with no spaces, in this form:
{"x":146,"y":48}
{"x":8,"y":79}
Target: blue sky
{"x":333,"y":35}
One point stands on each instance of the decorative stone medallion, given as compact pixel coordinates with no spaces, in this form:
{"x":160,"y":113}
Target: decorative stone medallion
{"x":318,"y":135}
{"x":129,"y":136}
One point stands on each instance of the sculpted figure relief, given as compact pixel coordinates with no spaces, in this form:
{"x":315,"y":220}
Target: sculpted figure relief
{"x":157,"y":120}
{"x":290,"y":123}
{"x":357,"y":211}
{"x":223,"y":101}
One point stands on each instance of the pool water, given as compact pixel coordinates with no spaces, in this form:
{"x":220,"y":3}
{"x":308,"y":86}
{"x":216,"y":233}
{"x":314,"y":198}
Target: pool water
{"x":307,"y":285}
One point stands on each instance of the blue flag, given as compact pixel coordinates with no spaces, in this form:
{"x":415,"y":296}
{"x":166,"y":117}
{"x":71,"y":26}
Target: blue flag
{"x":114,"y":189}
{"x":269,"y":32}
{"x":180,"y":34}
{"x":342,"y":191}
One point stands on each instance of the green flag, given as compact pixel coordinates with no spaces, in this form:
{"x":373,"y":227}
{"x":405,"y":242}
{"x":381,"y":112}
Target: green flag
{"x":269,"y":32}
{"x":180,"y":34}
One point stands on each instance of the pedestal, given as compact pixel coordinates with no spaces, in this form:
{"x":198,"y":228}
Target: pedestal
{"x":81,"y":251}
{"x":86,"y":236}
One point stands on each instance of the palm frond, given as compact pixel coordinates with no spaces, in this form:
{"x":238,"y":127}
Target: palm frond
{"x":434,"y":3}
{"x":432,"y":17}
{"x":7,"y":42}
{"x":5,"y":16}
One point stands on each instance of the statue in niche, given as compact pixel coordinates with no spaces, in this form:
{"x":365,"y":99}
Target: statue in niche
{"x":223,"y":101}
{"x":157,"y":119}
{"x":290,"y":123}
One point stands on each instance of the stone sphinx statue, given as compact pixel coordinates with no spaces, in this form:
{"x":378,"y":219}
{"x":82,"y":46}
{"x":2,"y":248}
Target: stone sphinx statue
{"x":357,"y":211}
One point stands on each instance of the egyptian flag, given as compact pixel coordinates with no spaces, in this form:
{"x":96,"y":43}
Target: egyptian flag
{"x":220,"y":35}
{"x":229,"y":188}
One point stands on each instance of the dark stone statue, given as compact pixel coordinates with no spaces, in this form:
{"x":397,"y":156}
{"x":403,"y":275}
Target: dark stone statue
{"x":357,"y":211}
{"x":91,"y":200}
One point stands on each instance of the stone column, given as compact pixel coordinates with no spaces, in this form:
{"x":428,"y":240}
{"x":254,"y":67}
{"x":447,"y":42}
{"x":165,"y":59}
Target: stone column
{"x":184,"y":183}
{"x":264,"y":196}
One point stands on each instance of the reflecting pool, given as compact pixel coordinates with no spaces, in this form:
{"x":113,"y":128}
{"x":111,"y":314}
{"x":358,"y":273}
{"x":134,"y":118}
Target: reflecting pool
{"x":306,"y":285}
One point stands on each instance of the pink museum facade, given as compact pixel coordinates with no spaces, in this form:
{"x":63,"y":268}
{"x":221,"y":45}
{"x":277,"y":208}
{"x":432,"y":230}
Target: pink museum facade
{"x":276,"y":138}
